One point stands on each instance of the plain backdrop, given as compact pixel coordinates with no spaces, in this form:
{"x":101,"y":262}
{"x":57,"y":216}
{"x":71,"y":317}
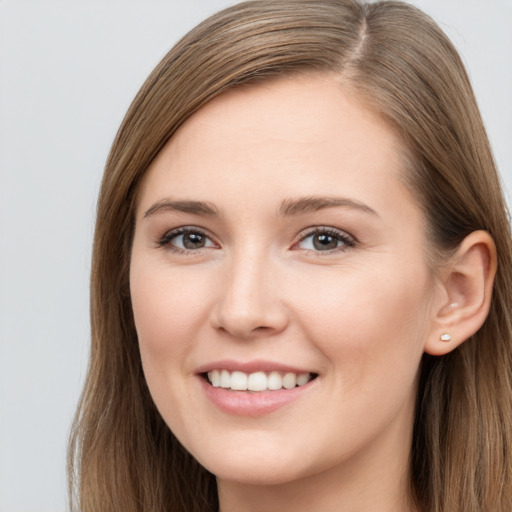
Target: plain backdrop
{"x":68,"y":71}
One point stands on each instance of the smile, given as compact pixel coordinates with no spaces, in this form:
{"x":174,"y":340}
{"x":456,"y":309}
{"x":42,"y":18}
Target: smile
{"x":257,"y":381}
{"x":256,"y":387}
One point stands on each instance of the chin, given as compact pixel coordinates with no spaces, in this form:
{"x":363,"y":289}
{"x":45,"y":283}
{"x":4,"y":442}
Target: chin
{"x":256,"y":466}
{"x":252,"y":473}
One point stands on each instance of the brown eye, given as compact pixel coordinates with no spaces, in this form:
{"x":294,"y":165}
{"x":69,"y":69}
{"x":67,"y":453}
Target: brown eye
{"x":193,"y":240}
{"x":186,"y":239}
{"x":325,"y":240}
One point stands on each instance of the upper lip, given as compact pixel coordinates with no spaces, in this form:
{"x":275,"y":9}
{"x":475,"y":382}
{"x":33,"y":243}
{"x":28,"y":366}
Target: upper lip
{"x":256,"y":365}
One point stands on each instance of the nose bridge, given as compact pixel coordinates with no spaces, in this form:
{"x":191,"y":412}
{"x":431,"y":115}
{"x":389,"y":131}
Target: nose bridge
{"x":250,"y":304}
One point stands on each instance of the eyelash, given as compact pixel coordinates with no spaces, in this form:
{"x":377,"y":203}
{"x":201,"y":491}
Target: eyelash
{"x":166,"y":240}
{"x":340,"y":236}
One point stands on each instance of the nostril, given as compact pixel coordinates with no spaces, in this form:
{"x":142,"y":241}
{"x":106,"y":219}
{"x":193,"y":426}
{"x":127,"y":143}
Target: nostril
{"x":262,"y":330}
{"x":245,"y":313}
{"x":246,"y":333}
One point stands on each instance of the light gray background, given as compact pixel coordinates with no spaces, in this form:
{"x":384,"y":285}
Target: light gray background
{"x":68,"y":71}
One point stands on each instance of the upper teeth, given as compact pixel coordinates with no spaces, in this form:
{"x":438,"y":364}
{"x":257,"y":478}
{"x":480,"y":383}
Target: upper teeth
{"x":258,"y":381}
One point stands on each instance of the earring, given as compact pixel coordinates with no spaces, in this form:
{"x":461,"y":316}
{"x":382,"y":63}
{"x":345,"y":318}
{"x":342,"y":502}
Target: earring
{"x":445,"y":337}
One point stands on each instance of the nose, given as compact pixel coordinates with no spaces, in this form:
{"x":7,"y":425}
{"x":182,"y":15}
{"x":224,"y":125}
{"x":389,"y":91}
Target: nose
{"x":250,"y":304}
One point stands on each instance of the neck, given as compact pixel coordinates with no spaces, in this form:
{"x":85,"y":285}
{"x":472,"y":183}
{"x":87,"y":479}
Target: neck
{"x":319,"y":493}
{"x":364,"y":484}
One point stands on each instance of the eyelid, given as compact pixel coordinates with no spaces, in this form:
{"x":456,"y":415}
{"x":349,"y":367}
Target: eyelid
{"x":342,"y":235}
{"x":164,"y":240}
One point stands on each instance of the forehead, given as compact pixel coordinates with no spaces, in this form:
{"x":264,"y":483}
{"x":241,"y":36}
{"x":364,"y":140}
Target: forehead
{"x":294,"y":136}
{"x":307,"y":108}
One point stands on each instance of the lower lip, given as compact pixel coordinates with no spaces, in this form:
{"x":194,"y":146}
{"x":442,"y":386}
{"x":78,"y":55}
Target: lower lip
{"x":247,"y":403}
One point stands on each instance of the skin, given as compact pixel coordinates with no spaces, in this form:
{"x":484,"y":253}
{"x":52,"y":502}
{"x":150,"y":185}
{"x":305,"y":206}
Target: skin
{"x":358,"y":315}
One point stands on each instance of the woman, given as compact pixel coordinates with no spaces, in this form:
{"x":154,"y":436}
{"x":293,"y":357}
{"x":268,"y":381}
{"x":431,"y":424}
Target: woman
{"x":301,"y":276}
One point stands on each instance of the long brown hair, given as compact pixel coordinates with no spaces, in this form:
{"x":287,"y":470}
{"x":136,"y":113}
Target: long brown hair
{"x":122,"y":455}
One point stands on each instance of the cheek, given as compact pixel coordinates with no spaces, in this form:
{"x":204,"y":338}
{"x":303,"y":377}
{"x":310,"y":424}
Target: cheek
{"x":169,"y":306}
{"x":367,"y":323}
{"x":169,"y":314}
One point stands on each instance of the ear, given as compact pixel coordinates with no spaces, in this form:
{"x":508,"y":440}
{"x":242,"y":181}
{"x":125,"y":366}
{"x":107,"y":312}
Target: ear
{"x":464,"y":297}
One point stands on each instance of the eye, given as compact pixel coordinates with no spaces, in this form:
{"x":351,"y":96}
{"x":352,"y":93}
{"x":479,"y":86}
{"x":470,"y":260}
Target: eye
{"x":325,"y":240}
{"x":186,"y":239}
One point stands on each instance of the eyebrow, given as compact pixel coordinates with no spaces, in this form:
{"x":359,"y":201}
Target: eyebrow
{"x":194,"y":207}
{"x":311,"y":204}
{"x":289,"y":207}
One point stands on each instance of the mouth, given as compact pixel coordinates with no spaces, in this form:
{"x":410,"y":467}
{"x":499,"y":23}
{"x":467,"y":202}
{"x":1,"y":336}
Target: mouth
{"x":255,"y":388}
{"x":257,"y":382}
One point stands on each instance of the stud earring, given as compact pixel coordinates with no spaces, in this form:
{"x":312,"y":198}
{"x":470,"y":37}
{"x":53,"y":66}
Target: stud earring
{"x":445,"y":337}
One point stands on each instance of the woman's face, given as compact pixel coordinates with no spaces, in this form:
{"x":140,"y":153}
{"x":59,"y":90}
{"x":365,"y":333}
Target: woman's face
{"x":276,"y":247}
